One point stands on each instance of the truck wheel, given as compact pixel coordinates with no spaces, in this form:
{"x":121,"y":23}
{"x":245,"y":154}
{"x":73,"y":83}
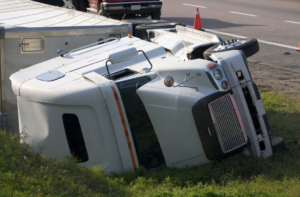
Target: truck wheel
{"x":75,"y":4}
{"x":155,"y":15}
{"x":83,"y":4}
{"x":80,"y":5}
{"x":141,"y":30}
{"x":249,"y":46}
{"x":102,"y":13}
{"x":136,"y":22}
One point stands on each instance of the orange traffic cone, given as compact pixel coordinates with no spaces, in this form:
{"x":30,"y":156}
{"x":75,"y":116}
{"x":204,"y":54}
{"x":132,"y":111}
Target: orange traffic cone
{"x":197,"y":23}
{"x":299,"y":47}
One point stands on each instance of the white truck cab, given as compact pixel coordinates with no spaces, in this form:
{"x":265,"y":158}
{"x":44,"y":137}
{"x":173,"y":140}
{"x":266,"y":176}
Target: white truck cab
{"x":124,"y":103}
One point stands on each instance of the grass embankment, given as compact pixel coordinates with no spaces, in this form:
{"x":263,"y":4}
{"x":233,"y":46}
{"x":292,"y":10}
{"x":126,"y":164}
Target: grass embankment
{"x":279,"y":175}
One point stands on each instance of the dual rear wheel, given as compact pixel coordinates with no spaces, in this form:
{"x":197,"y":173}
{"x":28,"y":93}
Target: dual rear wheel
{"x":248,"y":45}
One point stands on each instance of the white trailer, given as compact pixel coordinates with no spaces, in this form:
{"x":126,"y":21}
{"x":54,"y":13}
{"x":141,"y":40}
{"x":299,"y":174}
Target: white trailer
{"x":32,"y":32}
{"x":127,"y":103}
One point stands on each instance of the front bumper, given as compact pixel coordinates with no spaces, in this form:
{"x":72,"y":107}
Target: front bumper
{"x":131,"y":7}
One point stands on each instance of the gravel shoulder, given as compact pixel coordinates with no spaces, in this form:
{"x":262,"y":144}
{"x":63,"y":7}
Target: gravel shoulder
{"x":275,"y":78}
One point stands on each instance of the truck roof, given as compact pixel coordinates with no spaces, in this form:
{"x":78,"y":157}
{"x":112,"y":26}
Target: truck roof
{"x":71,"y":68}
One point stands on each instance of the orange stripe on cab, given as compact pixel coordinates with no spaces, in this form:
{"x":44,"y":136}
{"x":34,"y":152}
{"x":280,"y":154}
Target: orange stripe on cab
{"x":125,"y":127}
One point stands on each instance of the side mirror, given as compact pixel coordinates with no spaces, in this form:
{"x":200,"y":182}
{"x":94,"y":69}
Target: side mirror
{"x":60,"y":52}
{"x":169,"y":81}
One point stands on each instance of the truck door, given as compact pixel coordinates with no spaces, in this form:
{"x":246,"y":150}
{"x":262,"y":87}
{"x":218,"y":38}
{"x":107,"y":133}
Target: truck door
{"x":146,"y":144}
{"x":137,"y":140}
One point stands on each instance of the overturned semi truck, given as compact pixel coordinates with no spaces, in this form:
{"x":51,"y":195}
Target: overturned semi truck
{"x":32,"y":32}
{"x":125,"y":102}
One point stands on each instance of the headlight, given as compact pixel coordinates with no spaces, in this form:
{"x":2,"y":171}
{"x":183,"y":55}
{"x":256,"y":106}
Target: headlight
{"x":218,"y":75}
{"x":224,"y":85}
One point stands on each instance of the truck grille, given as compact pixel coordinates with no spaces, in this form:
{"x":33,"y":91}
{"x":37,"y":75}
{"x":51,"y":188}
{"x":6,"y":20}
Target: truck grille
{"x":227,"y":122}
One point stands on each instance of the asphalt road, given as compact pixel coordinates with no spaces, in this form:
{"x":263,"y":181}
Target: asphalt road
{"x":269,"y":20}
{"x":276,"y":22}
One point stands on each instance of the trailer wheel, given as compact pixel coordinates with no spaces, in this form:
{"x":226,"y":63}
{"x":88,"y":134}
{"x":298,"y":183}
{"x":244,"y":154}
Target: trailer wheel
{"x":141,"y":30}
{"x":75,"y":4}
{"x":249,"y":46}
{"x":155,"y":16}
{"x":102,"y":9}
{"x":137,"y":22}
{"x":80,"y":5}
{"x":83,"y":4}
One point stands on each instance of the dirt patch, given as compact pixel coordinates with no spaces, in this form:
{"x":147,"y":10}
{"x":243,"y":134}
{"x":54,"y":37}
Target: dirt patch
{"x":274,"y":78}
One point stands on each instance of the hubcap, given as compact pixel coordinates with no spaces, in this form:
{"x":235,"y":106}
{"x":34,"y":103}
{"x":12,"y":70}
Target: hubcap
{"x":229,"y":44}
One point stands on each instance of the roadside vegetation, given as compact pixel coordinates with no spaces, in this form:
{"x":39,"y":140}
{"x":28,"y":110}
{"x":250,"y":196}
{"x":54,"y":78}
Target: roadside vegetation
{"x":25,"y":173}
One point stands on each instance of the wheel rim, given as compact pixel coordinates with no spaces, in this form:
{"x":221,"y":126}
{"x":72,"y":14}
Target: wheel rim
{"x":229,"y":44}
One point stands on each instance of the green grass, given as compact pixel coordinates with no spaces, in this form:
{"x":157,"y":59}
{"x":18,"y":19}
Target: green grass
{"x":279,"y":175}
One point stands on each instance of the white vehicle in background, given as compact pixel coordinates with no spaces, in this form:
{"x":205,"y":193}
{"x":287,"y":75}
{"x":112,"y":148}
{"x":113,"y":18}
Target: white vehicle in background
{"x":125,"y":103}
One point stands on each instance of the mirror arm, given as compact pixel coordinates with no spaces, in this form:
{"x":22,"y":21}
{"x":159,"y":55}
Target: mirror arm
{"x":169,"y":81}
{"x":185,"y":80}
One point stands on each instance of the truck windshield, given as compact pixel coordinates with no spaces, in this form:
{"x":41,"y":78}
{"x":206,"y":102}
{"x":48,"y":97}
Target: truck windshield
{"x":147,"y":147}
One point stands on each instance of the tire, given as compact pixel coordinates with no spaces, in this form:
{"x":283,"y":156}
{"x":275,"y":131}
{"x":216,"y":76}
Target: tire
{"x":80,"y":5}
{"x":249,"y":47}
{"x":83,"y":4}
{"x":155,"y":16}
{"x":102,"y":13}
{"x":278,"y":145}
{"x":75,"y":4}
{"x":141,"y":30}
{"x":136,"y":22}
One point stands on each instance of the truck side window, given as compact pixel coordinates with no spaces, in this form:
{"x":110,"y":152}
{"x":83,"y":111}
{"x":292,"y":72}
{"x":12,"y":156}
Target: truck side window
{"x":147,"y":147}
{"x":75,"y":137}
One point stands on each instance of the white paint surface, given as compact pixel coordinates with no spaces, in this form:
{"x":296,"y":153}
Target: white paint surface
{"x":293,"y":22}
{"x":243,"y":14}
{"x":198,"y":6}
